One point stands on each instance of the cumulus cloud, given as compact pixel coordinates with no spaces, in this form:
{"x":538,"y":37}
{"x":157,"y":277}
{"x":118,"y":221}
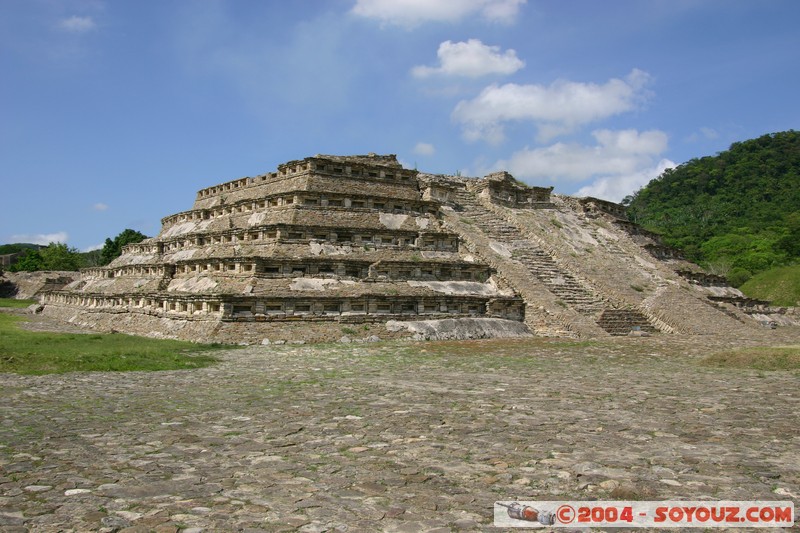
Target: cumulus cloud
{"x":472,"y":59}
{"x":620,"y":162}
{"x":77,"y":24}
{"x":100,"y":207}
{"x":410,"y":13}
{"x":615,"y":188}
{"x":424,"y":149}
{"x":556,"y":109}
{"x":42,"y":239}
{"x":92,"y":248}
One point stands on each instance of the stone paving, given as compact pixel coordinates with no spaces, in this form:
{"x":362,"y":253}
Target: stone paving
{"x":393,"y":436}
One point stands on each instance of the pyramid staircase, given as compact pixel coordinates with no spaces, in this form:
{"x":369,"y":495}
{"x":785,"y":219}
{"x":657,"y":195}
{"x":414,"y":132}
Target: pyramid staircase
{"x":544,"y":268}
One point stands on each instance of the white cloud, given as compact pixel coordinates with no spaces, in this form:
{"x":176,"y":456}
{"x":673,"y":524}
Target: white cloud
{"x":709,"y":133}
{"x":410,"y":13}
{"x":502,"y":10}
{"x":41,"y":238}
{"x":100,"y":207}
{"x":620,"y":162}
{"x":556,"y":109}
{"x":704,"y":133}
{"x":615,"y":188}
{"x":472,"y":59}
{"x":651,"y":142}
{"x":92,"y":248}
{"x":424,"y":149}
{"x":76,"y":24}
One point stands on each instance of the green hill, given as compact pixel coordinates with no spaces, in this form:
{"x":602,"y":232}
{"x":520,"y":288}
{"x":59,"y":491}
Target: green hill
{"x":780,"y":285}
{"x":737,"y":213}
{"x":17,"y":248}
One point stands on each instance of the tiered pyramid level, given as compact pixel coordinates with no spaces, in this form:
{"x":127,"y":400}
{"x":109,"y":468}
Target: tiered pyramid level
{"x":330,"y":247}
{"x":335,"y":244}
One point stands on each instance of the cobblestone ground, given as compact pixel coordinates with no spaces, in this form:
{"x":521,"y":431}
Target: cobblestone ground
{"x":392,"y":436}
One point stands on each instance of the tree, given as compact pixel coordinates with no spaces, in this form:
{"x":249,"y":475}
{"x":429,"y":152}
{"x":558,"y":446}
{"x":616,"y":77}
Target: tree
{"x":113,"y":248}
{"x":56,"y":256}
{"x":30,"y":262}
{"x":740,"y":205}
{"x":790,"y":242}
{"x":91,"y":258}
{"x":59,"y":256}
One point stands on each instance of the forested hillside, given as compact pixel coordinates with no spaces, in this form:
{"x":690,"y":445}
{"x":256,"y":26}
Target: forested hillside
{"x":59,"y":256}
{"x":737,"y":213}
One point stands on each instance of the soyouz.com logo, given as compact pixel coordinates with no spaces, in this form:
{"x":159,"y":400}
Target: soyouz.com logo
{"x":670,"y":513}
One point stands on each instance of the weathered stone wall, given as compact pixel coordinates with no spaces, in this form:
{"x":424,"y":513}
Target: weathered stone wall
{"x":109,"y":320}
{"x":326,"y":173}
{"x":503,"y":189}
{"x":468,"y":328}
{"x":203,"y":298}
{"x":6,"y":260}
{"x":593,"y":206}
{"x":269,"y":185}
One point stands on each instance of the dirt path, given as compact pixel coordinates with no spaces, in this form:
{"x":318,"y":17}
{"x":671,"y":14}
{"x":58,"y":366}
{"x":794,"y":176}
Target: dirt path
{"x":392,"y":437}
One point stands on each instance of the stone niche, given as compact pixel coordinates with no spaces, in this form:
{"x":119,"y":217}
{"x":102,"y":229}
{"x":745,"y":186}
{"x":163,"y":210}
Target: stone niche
{"x":592,"y":206}
{"x":503,"y":189}
{"x":664,"y":253}
{"x":437,"y":188}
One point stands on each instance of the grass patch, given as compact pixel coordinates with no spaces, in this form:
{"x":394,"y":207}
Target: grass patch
{"x":761,"y":358}
{"x":32,"y":352}
{"x":15,"y":304}
{"x":779,"y":285}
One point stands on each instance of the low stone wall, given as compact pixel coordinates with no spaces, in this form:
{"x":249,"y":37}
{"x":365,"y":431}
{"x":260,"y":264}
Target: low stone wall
{"x":776,"y":316}
{"x":462,"y":329}
{"x":211,"y":330}
{"x":107,"y":321}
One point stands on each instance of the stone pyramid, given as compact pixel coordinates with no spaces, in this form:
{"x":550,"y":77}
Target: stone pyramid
{"x":357,"y":247}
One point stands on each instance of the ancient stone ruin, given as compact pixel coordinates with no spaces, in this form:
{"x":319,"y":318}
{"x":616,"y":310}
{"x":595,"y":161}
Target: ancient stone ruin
{"x":27,"y":285}
{"x":358,"y":247}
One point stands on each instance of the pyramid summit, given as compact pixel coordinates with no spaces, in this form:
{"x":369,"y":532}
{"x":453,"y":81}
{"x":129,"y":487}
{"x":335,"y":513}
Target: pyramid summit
{"x":330,"y":246}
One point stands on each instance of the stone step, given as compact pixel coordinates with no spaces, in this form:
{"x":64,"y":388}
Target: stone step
{"x":623,"y":321}
{"x":561,"y":283}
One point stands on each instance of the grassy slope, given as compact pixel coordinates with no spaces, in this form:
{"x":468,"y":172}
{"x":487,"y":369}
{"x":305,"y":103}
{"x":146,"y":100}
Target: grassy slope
{"x":759,"y":358}
{"x":15,"y":304}
{"x":30,"y":352}
{"x":780,"y":285}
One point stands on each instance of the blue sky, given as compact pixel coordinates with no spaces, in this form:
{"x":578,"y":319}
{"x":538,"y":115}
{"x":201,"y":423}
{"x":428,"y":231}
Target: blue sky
{"x":114,"y":113}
